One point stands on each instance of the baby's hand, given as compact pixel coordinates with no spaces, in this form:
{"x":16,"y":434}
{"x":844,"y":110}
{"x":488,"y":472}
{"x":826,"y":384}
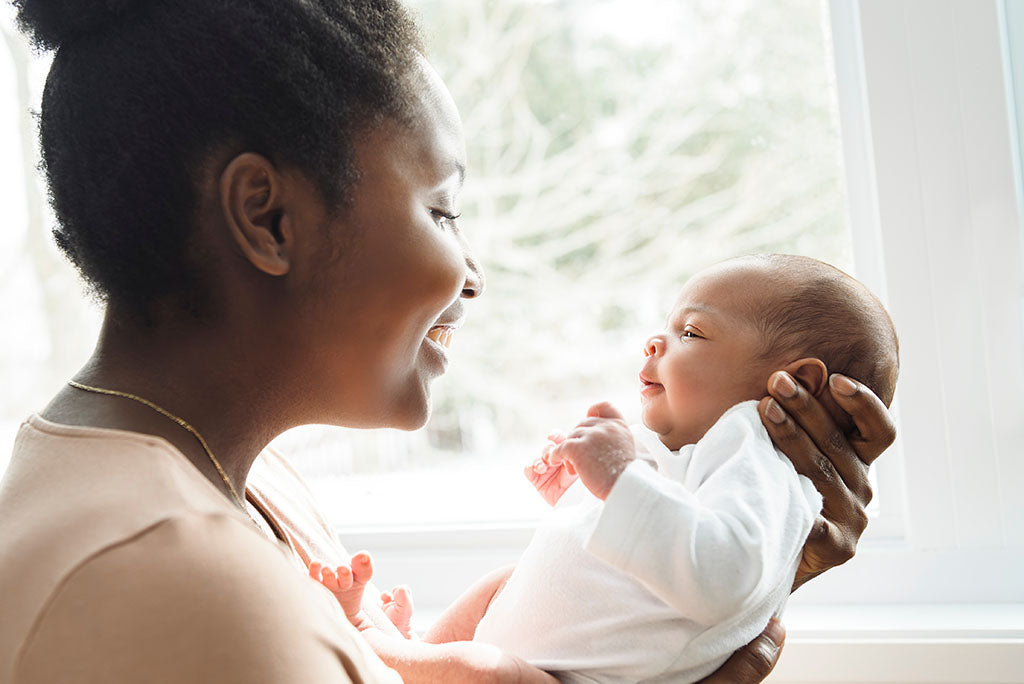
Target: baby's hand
{"x":347,"y":583}
{"x":551,"y":481}
{"x":598,"y":449}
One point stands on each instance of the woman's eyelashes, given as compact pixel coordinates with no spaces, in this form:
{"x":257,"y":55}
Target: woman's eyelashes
{"x":442,"y":217}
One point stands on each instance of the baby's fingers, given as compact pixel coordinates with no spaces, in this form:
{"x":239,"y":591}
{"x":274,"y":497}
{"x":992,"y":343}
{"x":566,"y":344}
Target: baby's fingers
{"x":604,"y":409}
{"x":561,"y":455}
{"x":556,"y":436}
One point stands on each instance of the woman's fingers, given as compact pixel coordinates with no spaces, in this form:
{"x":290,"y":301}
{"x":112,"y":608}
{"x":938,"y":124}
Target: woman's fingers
{"x":804,"y":453}
{"x":803,"y":429}
{"x":829,"y":545}
{"x":875,"y":428}
{"x":755,"y":661}
{"x":818,"y":447}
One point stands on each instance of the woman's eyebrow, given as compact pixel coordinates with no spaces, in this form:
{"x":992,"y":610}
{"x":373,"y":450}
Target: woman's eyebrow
{"x":458,"y":170}
{"x":455,"y":177}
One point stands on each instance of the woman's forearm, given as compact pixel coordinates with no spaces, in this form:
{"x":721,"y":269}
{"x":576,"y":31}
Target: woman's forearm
{"x":458,"y":662}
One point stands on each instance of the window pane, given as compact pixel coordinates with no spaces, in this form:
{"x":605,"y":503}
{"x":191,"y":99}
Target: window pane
{"x":1013,"y":15}
{"x":615,"y":148}
{"x":49,"y":327}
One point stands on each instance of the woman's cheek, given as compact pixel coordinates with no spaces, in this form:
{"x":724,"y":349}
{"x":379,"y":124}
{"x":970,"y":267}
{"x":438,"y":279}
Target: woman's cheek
{"x":447,"y":273}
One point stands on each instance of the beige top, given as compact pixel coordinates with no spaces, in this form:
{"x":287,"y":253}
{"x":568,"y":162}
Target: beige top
{"x":120,"y":562}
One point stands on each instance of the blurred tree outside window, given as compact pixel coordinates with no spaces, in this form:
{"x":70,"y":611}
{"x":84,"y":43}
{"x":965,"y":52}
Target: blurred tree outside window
{"x":615,"y":148}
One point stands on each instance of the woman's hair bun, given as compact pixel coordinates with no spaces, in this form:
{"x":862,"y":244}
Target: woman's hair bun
{"x":51,"y":23}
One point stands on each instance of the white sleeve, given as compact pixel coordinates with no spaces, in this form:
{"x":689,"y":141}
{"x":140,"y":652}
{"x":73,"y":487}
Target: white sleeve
{"x":722,"y":539}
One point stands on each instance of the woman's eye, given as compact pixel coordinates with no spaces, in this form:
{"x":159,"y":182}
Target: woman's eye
{"x":443,"y":217}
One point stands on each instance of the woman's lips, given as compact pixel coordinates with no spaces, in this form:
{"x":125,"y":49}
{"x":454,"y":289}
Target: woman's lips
{"x":442,"y":334}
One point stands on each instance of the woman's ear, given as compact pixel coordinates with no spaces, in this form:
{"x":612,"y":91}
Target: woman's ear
{"x":251,"y":197}
{"x":811,"y":373}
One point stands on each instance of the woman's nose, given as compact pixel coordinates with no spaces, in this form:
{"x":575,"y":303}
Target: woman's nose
{"x":475,"y":280}
{"x":474,"y":285}
{"x":655,"y":346}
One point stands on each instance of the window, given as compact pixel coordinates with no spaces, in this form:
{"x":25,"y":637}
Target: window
{"x":49,"y":326}
{"x":615,"y":148}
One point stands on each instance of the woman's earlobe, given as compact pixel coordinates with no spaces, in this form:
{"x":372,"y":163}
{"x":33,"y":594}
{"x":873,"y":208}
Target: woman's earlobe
{"x":811,"y":373}
{"x":251,"y":200}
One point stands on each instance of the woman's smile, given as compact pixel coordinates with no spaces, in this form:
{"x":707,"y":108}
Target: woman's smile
{"x":438,"y":340}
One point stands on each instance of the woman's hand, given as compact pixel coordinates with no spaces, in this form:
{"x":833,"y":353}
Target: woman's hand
{"x":755,"y":661}
{"x":457,"y":662}
{"x":836,"y":463}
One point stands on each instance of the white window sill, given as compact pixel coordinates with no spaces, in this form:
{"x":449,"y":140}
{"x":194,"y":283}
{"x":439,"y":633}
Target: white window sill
{"x":913,"y":622}
{"x":907,"y":643}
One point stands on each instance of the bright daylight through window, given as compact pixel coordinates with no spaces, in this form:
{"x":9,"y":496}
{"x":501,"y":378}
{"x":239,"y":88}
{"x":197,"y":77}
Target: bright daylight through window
{"x":615,"y":148}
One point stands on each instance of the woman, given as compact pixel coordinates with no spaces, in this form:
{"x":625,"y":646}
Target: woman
{"x":263,"y":195}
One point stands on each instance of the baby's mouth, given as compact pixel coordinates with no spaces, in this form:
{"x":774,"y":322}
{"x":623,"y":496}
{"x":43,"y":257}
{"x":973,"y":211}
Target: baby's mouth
{"x":442,"y":334}
{"x":647,"y":385}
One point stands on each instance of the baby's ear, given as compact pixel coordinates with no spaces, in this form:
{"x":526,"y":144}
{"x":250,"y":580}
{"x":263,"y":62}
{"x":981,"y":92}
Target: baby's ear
{"x":811,"y":373}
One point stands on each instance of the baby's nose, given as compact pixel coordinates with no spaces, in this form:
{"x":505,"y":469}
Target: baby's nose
{"x":655,"y":345}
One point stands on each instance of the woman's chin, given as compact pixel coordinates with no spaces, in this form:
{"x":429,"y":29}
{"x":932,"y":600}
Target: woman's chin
{"x":409,"y":414}
{"x":413,"y":411}
{"x":411,"y":422}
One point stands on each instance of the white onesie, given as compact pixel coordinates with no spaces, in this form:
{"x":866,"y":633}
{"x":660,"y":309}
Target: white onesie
{"x":678,"y":568}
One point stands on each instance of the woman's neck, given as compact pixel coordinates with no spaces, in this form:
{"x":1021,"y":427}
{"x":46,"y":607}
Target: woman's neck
{"x":212,"y":377}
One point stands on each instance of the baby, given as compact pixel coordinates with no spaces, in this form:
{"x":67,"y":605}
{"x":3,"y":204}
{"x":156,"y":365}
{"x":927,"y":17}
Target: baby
{"x":686,"y":534}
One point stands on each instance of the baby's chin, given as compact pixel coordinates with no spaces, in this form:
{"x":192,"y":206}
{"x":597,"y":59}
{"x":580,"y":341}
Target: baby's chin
{"x":665,"y":433}
{"x":672,"y":434}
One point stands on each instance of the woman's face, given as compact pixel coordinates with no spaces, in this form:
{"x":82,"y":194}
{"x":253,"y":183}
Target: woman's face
{"x":384,"y":310}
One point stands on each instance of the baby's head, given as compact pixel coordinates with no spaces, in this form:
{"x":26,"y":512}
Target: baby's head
{"x":739,"y":321}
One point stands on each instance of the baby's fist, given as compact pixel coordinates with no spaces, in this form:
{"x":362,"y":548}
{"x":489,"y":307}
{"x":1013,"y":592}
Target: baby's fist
{"x":598,"y":449}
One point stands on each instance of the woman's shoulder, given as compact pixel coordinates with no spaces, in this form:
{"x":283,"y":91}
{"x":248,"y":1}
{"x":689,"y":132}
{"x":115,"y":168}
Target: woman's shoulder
{"x":191,"y":597}
{"x":68,"y":493}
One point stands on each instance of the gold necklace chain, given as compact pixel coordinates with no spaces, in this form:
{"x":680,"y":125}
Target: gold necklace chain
{"x":180,"y":421}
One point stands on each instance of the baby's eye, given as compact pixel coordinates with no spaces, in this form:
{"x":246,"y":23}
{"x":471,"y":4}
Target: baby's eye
{"x":693,"y":334}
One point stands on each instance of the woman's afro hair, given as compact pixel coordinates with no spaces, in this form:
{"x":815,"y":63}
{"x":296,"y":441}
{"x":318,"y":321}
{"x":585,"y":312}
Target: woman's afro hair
{"x":140,"y":92}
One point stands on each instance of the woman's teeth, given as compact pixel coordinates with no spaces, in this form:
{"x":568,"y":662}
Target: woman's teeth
{"x":443,"y":336}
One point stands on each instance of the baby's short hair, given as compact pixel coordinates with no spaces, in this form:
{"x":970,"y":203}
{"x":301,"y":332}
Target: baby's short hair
{"x":824,"y":313}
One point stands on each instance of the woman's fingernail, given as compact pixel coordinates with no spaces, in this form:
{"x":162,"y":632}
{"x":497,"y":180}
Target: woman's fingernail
{"x":784,"y":385}
{"x":776,"y":632}
{"x":842,"y":384}
{"x":775,"y":412}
